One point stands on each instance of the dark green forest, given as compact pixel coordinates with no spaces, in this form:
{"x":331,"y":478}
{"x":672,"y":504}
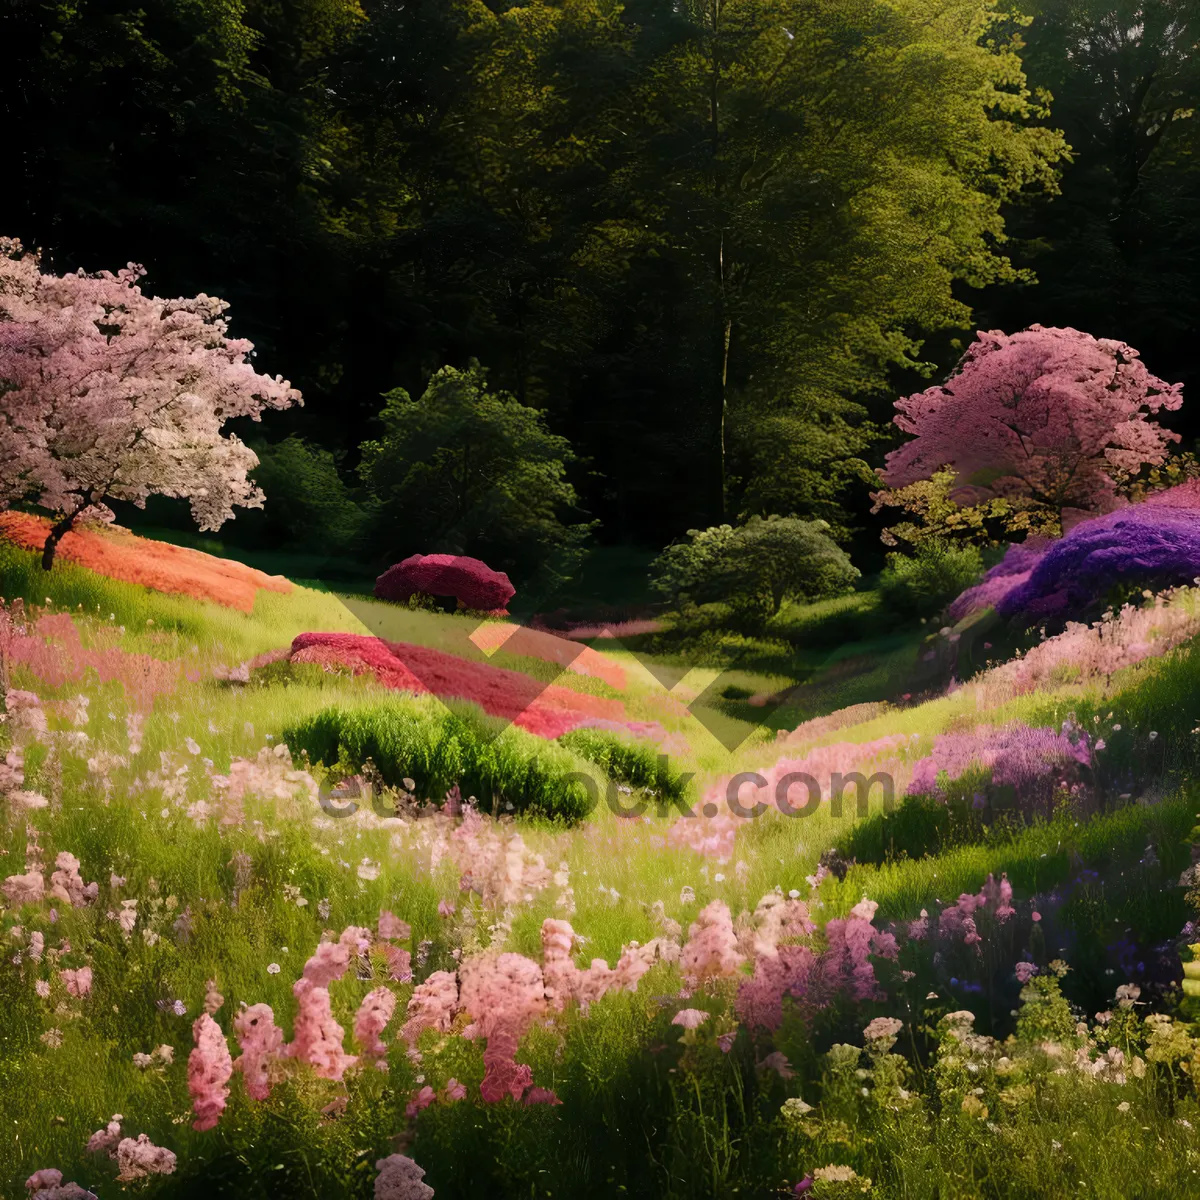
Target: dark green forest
{"x":709,"y":240}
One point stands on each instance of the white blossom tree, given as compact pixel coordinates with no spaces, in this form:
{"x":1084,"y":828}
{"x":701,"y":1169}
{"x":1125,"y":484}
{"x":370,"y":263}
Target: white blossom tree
{"x":107,"y":393}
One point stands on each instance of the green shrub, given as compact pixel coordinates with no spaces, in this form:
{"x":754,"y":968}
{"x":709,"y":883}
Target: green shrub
{"x":627,"y":761}
{"x":307,"y":503}
{"x":438,"y":746}
{"x":510,"y":508}
{"x":755,"y":567}
{"x":925,"y":582}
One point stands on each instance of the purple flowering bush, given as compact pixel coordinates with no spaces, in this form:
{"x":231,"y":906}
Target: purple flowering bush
{"x":1154,"y":544}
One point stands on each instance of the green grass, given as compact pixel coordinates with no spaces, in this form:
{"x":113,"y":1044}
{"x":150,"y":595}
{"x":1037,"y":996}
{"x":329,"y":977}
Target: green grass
{"x":437,"y":745}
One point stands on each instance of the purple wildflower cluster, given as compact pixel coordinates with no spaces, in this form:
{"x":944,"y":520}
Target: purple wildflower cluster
{"x":1035,"y":762}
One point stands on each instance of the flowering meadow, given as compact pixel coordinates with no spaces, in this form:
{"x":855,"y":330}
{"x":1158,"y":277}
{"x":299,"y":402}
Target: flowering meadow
{"x":249,"y":951}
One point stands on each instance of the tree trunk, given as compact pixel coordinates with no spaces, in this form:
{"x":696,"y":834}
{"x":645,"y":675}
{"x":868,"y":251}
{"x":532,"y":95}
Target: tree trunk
{"x":54,"y":537}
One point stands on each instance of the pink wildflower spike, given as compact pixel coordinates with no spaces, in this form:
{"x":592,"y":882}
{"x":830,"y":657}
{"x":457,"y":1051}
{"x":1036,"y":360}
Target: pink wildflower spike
{"x":331,"y":960}
{"x":399,"y":962}
{"x":209,"y":1069}
{"x":503,"y":1075}
{"x":78,"y":982}
{"x":105,"y":1141}
{"x":431,"y":1006}
{"x":261,"y":1041}
{"x":400,"y":1179}
{"x":140,"y":1158}
{"x":318,"y":1037}
{"x":421,"y":1101}
{"x":212,"y":998}
{"x":446,"y":909}
{"x":561,"y":975}
{"x":66,"y":883}
{"x":711,"y":951}
{"x":391,"y":928}
{"x":502,"y":989}
{"x":24,"y":889}
{"x":372,"y":1019}
{"x":541,"y":1095}
{"x":46,"y":1178}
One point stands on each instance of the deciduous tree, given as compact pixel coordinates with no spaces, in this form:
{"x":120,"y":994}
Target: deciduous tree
{"x":108,"y":393}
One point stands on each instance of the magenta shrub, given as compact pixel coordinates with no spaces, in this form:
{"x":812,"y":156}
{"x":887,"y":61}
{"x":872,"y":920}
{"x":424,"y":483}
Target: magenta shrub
{"x":471,"y":582}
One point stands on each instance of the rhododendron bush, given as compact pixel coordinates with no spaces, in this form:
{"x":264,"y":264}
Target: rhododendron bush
{"x":1155,"y":544}
{"x":110,"y":393}
{"x":468,"y":580}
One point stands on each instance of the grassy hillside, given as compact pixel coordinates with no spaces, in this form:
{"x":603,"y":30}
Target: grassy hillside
{"x":216,"y":859}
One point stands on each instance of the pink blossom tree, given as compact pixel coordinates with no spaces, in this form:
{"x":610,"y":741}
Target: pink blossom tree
{"x":1044,"y":416}
{"x":106,"y":392}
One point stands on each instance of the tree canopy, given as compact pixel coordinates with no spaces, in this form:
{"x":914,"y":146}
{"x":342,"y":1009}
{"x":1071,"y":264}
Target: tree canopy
{"x":700,"y":237}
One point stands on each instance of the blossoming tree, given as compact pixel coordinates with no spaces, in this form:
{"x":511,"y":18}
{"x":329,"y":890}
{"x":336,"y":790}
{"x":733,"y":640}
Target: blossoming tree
{"x":107,"y":393}
{"x":1043,"y":417}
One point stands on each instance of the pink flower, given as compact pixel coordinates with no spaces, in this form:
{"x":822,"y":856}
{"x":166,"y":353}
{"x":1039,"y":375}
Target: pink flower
{"x":690,"y":1018}
{"x":78,"y":982}
{"x":209,"y":1069}
{"x":541,"y":1095}
{"x":331,"y":960}
{"x":261,"y":1041}
{"x":24,"y":889}
{"x":711,"y":951}
{"x":431,"y":1006}
{"x":371,"y":1020}
{"x":391,"y":928}
{"x":422,"y":1100}
{"x":140,"y":1158}
{"x":454,"y":1091}
{"x":104,"y":1141}
{"x":400,"y":1179}
{"x":725,"y":1040}
{"x":503,"y":1075}
{"x":1025,"y":972}
{"x":66,"y":884}
{"x":317,"y":1036}
{"x":883,"y":1031}
{"x":446,"y":909}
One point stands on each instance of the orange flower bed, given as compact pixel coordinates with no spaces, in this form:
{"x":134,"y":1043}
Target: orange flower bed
{"x":176,"y":570}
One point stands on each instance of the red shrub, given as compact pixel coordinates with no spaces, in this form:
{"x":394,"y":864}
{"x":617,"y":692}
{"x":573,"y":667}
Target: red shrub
{"x":472,"y":583}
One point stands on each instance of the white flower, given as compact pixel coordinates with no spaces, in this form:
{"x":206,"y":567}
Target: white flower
{"x":273,"y":968}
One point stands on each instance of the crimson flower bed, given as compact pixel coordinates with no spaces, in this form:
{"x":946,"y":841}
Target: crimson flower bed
{"x":548,"y":711}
